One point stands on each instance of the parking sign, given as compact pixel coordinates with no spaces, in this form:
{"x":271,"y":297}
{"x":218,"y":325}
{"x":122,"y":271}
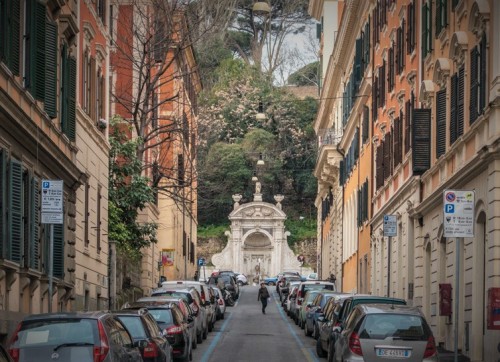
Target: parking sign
{"x":52,"y":201}
{"x":458,"y":211}
{"x":390,"y":225}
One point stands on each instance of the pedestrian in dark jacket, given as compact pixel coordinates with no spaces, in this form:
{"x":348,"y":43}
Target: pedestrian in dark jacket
{"x":263,"y":296}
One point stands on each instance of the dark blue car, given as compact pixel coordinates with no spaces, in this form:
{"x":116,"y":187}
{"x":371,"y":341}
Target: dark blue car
{"x":317,"y":307}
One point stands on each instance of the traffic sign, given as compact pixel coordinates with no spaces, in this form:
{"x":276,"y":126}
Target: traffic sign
{"x":390,"y":225}
{"x":52,"y":196}
{"x":201,"y":261}
{"x":52,"y":202}
{"x":458,"y":211}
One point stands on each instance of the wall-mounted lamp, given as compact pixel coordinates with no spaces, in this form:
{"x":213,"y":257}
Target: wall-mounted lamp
{"x":260,"y":116}
{"x":260,"y":162}
{"x":254,"y":177}
{"x":261,"y":8}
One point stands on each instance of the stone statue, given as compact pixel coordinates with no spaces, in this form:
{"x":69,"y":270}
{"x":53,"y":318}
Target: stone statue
{"x":258,"y":187}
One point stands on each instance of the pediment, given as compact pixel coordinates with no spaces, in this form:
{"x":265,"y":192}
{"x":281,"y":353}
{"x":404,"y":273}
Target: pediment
{"x":260,"y":210}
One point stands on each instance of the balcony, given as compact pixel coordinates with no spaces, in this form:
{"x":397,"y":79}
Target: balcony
{"x":328,"y":137}
{"x":328,"y":162}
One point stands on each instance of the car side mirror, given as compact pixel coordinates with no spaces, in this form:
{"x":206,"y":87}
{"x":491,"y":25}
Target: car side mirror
{"x":337,"y":329}
{"x":321,"y":318}
{"x":190,"y":319}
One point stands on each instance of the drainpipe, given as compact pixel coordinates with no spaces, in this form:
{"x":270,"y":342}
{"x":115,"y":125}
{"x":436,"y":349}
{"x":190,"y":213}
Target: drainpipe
{"x":339,"y":150}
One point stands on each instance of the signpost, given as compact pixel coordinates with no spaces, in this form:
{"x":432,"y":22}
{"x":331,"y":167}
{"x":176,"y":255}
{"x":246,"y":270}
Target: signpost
{"x":201,"y":263}
{"x":52,"y":213}
{"x":458,"y":223}
{"x":390,"y":230}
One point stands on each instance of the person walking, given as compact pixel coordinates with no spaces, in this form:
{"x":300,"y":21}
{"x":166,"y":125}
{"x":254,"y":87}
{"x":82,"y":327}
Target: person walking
{"x":263,"y":296}
{"x":196,"y":276}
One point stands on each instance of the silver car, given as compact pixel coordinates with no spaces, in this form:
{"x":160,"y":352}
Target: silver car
{"x":384,"y":332}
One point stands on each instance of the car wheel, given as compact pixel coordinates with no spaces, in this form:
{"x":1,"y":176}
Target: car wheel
{"x":205,"y":332}
{"x":222,"y":316}
{"x":195,"y":343}
{"x":319,"y":349}
{"x":307,"y":332}
{"x":199,"y":337}
{"x":210,"y":326}
{"x":240,"y":284}
{"x":315,"y":331}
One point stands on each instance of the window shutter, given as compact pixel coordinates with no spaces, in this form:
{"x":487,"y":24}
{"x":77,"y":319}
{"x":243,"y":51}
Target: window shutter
{"x":366,"y":57}
{"x":11,"y":34}
{"x":50,"y":105}
{"x":366,"y":121}
{"x":407,"y":126}
{"x":71,"y":85}
{"x":38,"y":51}
{"x":460,"y":101}
{"x":180,"y":169}
{"x":401,"y":46}
{"x":366,"y":201}
{"x":424,"y":29}
{"x":26,"y":217}
{"x":93,"y":89}
{"x":15,"y":211}
{"x":482,"y":74}
{"x":359,"y":208}
{"x":358,"y":63}
{"x":3,"y":202}
{"x":474,"y":85}
{"x":421,"y":147}
{"x":453,"y":108}
{"x":397,"y":152}
{"x":379,"y":161}
{"x":390,"y":73}
{"x":58,"y":258}
{"x":387,"y":156}
{"x":438,"y":16}
{"x":440,"y":122}
{"x":34,"y":254}
{"x":409,"y":29}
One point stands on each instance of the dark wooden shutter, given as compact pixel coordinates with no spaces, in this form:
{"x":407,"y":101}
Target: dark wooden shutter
{"x":366,"y":124}
{"x":407,"y":126}
{"x":93,"y":90}
{"x":11,"y":30}
{"x":482,"y":74}
{"x":15,"y":211}
{"x":424,"y":30}
{"x":453,"y":108}
{"x":366,"y":45}
{"x":341,"y":173}
{"x":390,"y":73}
{"x":440,"y":122}
{"x":358,"y":64}
{"x":71,"y":84}
{"x":409,"y":29}
{"x":379,"y":161}
{"x":421,"y":147}
{"x":51,"y":68}
{"x":401,"y":47}
{"x":3,"y":202}
{"x":460,"y":101}
{"x":474,"y":85}
{"x":387,"y":155}
{"x":38,"y":51}
{"x":397,"y":142}
{"x":58,"y":258}
{"x":34,"y":250}
{"x":26,"y":217}
{"x":180,"y":169}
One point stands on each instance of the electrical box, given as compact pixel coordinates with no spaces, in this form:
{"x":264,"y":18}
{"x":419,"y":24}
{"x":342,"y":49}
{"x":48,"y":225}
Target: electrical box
{"x":493,"y":318}
{"x":445,"y":300}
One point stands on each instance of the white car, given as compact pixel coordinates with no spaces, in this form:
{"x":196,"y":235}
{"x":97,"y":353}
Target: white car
{"x":241,"y":279}
{"x":221,"y":305}
{"x":312,"y":276}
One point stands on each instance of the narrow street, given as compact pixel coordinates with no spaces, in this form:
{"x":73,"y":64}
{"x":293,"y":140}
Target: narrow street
{"x":247,"y":335}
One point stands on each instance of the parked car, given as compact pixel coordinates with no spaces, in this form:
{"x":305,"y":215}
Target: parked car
{"x":313,"y":284}
{"x":143,"y":328}
{"x":242,"y":279}
{"x":221,"y":304}
{"x":213,"y":308}
{"x":228,"y":281}
{"x":78,"y":336}
{"x":288,"y":299}
{"x":4,"y":355}
{"x":270,"y":281}
{"x":171,"y":321}
{"x":306,"y":305}
{"x":315,"y":309}
{"x":385,"y":332}
{"x":285,"y":283}
{"x":329,"y":335}
{"x":326,"y":321}
{"x":193,"y":298}
{"x":187,"y":312}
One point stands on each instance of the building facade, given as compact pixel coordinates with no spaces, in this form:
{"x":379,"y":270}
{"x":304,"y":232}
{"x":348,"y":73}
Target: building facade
{"x":46,"y":135}
{"x":434,"y":125}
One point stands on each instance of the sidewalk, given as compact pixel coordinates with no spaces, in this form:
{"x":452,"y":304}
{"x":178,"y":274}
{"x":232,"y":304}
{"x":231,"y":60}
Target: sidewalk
{"x":449,"y":356}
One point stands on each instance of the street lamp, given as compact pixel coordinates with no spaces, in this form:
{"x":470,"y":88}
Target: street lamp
{"x":254,"y":177}
{"x":260,"y":162}
{"x":260,"y":116}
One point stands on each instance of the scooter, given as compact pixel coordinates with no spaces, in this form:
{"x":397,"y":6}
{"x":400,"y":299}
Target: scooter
{"x":228,"y":298}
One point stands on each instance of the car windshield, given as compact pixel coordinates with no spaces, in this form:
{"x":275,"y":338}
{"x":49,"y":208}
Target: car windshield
{"x":174,"y":295}
{"x":226,"y":278}
{"x":317,"y":286}
{"x":56,"y":332}
{"x":162,"y":315}
{"x":134,"y":326}
{"x":397,"y":326}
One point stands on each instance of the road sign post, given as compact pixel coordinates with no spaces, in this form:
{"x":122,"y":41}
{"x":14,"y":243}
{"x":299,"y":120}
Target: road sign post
{"x":52,"y":213}
{"x":390,"y":230}
{"x":458,"y":222}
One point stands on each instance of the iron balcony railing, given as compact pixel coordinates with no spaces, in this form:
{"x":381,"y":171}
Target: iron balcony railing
{"x":329,"y":137}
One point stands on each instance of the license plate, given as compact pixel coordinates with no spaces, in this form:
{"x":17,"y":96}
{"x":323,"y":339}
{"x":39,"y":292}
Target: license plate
{"x":387,"y":352}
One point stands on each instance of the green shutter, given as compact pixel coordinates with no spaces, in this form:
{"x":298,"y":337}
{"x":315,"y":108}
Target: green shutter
{"x":51,"y":69}
{"x":10,"y":20}
{"x":71,"y":84}
{"x":341,"y":173}
{"x":38,"y":51}
{"x":421,"y":146}
{"x":58,"y":257}
{"x":26,"y":214}
{"x":440,"y":123}
{"x":15,"y":211}
{"x":34,"y":250}
{"x":460,"y":101}
{"x":453,"y":108}
{"x":3,"y":202}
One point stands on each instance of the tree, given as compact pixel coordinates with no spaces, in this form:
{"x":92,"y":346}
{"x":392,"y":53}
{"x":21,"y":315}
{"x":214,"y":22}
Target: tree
{"x":129,"y":192}
{"x":307,"y":75}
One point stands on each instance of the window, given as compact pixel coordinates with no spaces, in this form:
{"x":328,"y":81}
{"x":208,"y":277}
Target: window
{"x":411,"y":38}
{"x":387,"y":155}
{"x":426,"y":29}
{"x":421,"y":125}
{"x":441,"y":15}
{"x":86,"y":81}
{"x":100,"y":99}
{"x":98,"y":218}
{"x":101,"y":9}
{"x":34,"y":48}
{"x":86,"y":214}
{"x":400,"y":48}
{"x":363,"y":203}
{"x":366,"y":124}
{"x":440,"y":122}
{"x":379,"y":164}
{"x":398,"y":140}
{"x":68,"y":94}
{"x":391,"y":70}
{"x":180,"y":170}
{"x":10,"y":17}
{"x":457,"y":105}
{"x":478,"y":66}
